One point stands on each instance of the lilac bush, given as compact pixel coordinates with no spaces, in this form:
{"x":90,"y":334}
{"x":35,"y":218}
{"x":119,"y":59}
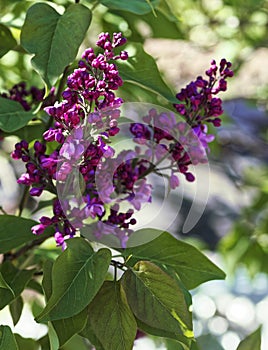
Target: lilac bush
{"x":90,"y":156}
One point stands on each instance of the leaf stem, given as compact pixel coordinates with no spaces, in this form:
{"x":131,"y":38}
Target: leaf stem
{"x":95,"y":4}
{"x":24,"y":199}
{"x":3,"y":211}
{"x":118,"y":264}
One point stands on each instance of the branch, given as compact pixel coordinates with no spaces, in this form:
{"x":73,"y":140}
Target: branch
{"x":25,"y":248}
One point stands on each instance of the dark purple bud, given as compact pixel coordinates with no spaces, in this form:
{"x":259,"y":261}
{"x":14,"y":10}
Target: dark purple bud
{"x":36,"y":191}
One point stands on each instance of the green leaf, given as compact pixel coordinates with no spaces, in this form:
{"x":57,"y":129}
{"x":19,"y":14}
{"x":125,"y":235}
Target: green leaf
{"x":111,"y":319}
{"x":156,"y":299}
{"x":7,"y":41}
{"x":207,"y":342}
{"x":34,"y":285}
{"x":15,"y":309}
{"x":138,"y":7}
{"x":88,"y":333}
{"x":76,"y":342}
{"x":67,"y":327}
{"x":12,"y":115}
{"x":77,"y":275}
{"x":54,"y":39}
{"x":174,"y":345}
{"x":4,"y":285}
{"x":7,"y":339}
{"x":26,"y":343}
{"x":15,"y":231}
{"x":16,"y":279}
{"x":53,"y":338}
{"x":142,"y":70}
{"x":171,"y":254}
{"x":179,"y":339}
{"x":253,"y":341}
{"x":44,"y":342}
{"x":29,"y":132}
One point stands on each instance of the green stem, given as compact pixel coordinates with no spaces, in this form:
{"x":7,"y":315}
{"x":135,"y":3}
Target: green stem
{"x":116,"y":265}
{"x":24,"y":199}
{"x":3,"y":211}
{"x":153,"y":166}
{"x":95,"y":4}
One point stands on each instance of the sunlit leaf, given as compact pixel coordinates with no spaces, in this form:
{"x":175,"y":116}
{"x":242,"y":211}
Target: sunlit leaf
{"x":141,"y":69}
{"x":54,"y":39}
{"x":192,"y":266}
{"x":156,"y":300}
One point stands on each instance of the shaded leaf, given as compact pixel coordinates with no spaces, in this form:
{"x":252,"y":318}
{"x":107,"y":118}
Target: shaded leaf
{"x":12,"y":115}
{"x":156,"y":300}
{"x":192,"y":266}
{"x":54,"y":39}
{"x":16,"y":279}
{"x":26,"y":343}
{"x":14,"y":231}
{"x":15,"y":309}
{"x":77,"y":275}
{"x":7,"y":339}
{"x":67,"y":327}
{"x":252,"y":341}
{"x":142,"y":70}
{"x":29,"y":132}
{"x":138,"y":7}
{"x":178,"y":338}
{"x":44,"y":342}
{"x":76,"y":342}
{"x":34,"y":285}
{"x":110,"y":319}
{"x":206,"y":342}
{"x":7,"y":41}
{"x":174,"y":345}
{"x":3,"y":284}
{"x":88,"y":333}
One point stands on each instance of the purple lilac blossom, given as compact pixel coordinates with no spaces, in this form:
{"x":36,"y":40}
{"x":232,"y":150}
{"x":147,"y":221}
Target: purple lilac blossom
{"x":84,"y":123}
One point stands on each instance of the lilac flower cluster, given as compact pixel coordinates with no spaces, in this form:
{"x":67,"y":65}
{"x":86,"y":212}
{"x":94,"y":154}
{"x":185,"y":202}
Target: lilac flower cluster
{"x":199,"y":104}
{"x":90,"y":87}
{"x":180,"y":143}
{"x":40,"y":167}
{"x":89,"y":99}
{"x":25,"y":97}
{"x":92,"y":180}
